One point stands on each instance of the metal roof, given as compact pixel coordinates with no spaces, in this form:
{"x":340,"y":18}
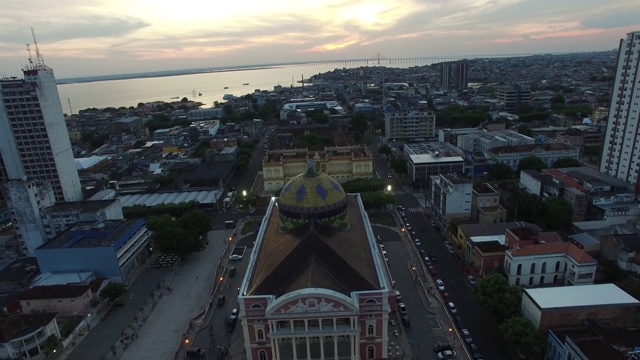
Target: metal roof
{"x":203,"y":197}
{"x":580,"y":296}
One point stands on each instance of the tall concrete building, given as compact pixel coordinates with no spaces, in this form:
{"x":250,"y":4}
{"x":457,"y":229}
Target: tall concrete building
{"x":621,"y":151}
{"x":34,"y":148}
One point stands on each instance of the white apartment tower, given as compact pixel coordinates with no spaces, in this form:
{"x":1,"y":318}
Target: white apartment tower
{"x":621,"y":151}
{"x":34,"y":147}
{"x":34,"y":142}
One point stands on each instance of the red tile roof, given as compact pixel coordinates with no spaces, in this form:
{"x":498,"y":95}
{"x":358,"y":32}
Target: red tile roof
{"x":554,"y":248}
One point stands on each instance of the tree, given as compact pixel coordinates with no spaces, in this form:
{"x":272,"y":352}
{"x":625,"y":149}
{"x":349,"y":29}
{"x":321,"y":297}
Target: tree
{"x":501,"y":300}
{"x":557,"y":214}
{"x":531,"y":162}
{"x":524,"y":337}
{"x":399,"y":166}
{"x":139,"y":144}
{"x":566,"y":162}
{"x":363,"y":185}
{"x":557,"y":99}
{"x":184,"y":100}
{"x":525,"y":130}
{"x":51,"y":344}
{"x":385,"y":150}
{"x":529,"y":208}
{"x":113,"y":291}
{"x":499,"y":171}
{"x":141,"y":104}
{"x":376,"y":199}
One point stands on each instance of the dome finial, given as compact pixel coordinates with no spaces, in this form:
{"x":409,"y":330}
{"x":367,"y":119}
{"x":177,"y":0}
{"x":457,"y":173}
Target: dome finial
{"x":311,"y":172}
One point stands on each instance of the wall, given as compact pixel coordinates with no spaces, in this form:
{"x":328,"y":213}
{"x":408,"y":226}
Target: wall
{"x":79,"y":305}
{"x":101,"y":260}
{"x":612,"y":315}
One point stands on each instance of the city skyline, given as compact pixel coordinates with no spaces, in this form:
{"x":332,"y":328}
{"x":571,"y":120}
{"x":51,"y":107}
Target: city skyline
{"x":101,"y":38}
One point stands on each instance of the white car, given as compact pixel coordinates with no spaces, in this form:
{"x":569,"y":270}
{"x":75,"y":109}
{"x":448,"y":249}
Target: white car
{"x":447,"y":354}
{"x":235,"y":257}
{"x":402,"y":309}
{"x":452,"y":308}
{"x":234,"y":314}
{"x":440,"y":284}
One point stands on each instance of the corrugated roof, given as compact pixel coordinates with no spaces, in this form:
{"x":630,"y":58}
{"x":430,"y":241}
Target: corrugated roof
{"x":580,"y":296}
{"x":203,"y":197}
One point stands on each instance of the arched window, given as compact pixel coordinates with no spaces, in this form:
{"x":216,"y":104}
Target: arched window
{"x":517,"y":281}
{"x":557,"y":266}
{"x":541,"y":280}
{"x":544,"y":267}
{"x":370,"y":302}
{"x":260,"y":335}
{"x":262,"y":355}
{"x":256,"y":307}
{"x":371,"y":352}
{"x":519,"y":269}
{"x":371,"y":330}
{"x":533,"y":268}
{"x":530,"y":280}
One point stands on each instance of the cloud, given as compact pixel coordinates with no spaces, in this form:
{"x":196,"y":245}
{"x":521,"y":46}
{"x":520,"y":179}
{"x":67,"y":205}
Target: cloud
{"x":608,"y":21}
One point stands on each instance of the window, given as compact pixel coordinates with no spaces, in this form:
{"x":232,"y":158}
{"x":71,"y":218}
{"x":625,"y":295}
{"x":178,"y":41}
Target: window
{"x":519,"y":269}
{"x":517,"y":281}
{"x":533,"y":269}
{"x":530,"y":280}
{"x":371,"y":352}
{"x":262,"y":355}
{"x":260,"y":335}
{"x":541,"y":280}
{"x":557,"y":266}
{"x":371,"y":330}
{"x":544,"y":267}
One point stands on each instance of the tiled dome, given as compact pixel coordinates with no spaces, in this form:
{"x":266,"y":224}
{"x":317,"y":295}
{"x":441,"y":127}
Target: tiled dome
{"x":311,"y":193}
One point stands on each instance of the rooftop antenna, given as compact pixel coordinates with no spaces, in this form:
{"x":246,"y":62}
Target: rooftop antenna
{"x":70,"y":109}
{"x":39,"y":60}
{"x":30,"y":58}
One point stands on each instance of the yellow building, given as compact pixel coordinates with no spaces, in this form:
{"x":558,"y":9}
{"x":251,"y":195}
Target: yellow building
{"x":343,"y":163}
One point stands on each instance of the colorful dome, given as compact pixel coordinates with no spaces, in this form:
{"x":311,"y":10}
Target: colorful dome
{"x":312,"y":197}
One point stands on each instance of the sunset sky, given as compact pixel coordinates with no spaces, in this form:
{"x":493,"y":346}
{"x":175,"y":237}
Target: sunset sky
{"x":97,"y":37}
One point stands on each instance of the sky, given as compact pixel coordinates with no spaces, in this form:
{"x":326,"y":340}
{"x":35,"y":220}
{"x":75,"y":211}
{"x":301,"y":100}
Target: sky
{"x":102,"y":37}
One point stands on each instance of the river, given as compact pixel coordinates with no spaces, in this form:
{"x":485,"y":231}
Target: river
{"x":204,"y":87}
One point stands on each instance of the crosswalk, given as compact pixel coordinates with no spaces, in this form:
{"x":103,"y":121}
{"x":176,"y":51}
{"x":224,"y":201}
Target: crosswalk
{"x":399,"y":192}
{"x":418,"y":209}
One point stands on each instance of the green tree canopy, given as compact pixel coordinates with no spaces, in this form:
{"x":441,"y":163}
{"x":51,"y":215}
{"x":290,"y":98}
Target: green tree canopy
{"x":399,"y":166}
{"x":184,"y":100}
{"x":557,"y":99}
{"x":531,"y":162}
{"x":363,"y":185}
{"x":566,"y":162}
{"x":376,"y":199}
{"x":113,"y":291}
{"x":557,"y":214}
{"x":524,"y":337}
{"x":529,"y":208}
{"x":498,"y":298}
{"x":197,"y":221}
{"x":499,"y":172}
{"x":385,"y":150}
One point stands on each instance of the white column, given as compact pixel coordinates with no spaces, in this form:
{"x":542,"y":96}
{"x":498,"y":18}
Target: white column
{"x":356,"y":346}
{"x":295,"y":352}
{"x":306,"y":338}
{"x":275,"y":351}
{"x":335,"y":347}
{"x":322,"y":339}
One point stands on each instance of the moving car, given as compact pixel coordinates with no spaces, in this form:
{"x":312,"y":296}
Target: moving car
{"x":232,"y":271}
{"x":472,"y":280}
{"x":475,"y":352}
{"x":440,"y":284}
{"x":447,"y":354}
{"x":235,"y":257}
{"x":221,"y":300}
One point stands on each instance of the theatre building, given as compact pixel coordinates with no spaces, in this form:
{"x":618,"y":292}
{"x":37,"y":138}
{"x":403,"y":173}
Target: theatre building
{"x":317,"y":286}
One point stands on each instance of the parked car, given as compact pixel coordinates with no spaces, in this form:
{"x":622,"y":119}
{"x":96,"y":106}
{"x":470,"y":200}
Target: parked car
{"x":447,"y":354}
{"x":398,"y":296}
{"x":475,"y":352}
{"x":466,"y":335}
{"x":433,"y":223}
{"x":459,"y":322}
{"x":234,"y":314}
{"x":406,"y":323}
{"x":402,"y":309}
{"x":221,"y":300}
{"x":441,"y":346}
{"x":432,"y":270}
{"x":440,"y":284}
{"x":418,"y":243}
{"x":472,"y":280}
{"x":427,"y":261}
{"x":400,"y":208}
{"x":195,"y":353}
{"x":452,"y":308}
{"x":450,"y":249}
{"x":232,"y":271}
{"x":235,"y":257}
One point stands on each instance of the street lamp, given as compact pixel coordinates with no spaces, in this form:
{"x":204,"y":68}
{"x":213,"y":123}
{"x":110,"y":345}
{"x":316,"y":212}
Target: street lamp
{"x":244,"y":193}
{"x":389,"y":188}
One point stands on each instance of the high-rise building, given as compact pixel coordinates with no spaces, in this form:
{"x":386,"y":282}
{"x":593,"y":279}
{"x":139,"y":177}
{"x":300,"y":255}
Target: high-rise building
{"x":34,"y":143}
{"x":511,"y":97}
{"x":621,"y":149}
{"x":454,"y":75}
{"x":35,"y":149}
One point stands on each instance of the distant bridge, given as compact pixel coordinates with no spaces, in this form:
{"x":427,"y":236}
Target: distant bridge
{"x":383,"y":60}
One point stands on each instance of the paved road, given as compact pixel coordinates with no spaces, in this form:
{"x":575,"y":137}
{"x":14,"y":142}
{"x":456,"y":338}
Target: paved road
{"x":482,"y":327}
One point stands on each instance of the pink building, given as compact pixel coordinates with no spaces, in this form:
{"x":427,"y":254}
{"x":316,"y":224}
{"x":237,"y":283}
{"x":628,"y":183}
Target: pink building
{"x":317,"y":286}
